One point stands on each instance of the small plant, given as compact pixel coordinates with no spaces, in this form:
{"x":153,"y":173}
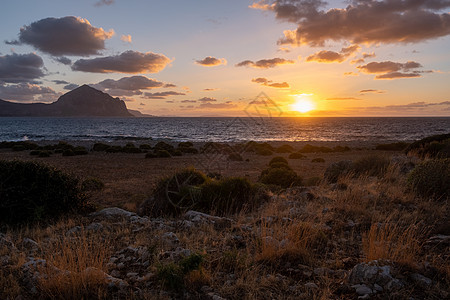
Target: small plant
{"x":278,"y":160}
{"x":431,"y":179}
{"x":173,"y":276}
{"x":45,"y":153}
{"x":282,"y":177}
{"x":264,"y":151}
{"x":285,"y":149}
{"x":296,"y":155}
{"x":80,"y":150}
{"x":318,"y":160}
{"x":31,"y":192}
{"x":131,"y":148}
{"x":372,"y":165}
{"x":336,"y":170}
{"x":163,"y":146}
{"x":235,"y":157}
{"x":145,"y":147}
{"x":100,"y":147}
{"x":162,"y":153}
{"x":435,"y":146}
{"x":150,"y":155}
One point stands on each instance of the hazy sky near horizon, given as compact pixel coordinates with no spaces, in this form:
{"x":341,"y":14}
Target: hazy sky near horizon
{"x":213,"y":58}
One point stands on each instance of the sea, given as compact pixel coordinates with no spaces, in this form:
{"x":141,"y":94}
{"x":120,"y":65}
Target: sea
{"x":222,"y":129}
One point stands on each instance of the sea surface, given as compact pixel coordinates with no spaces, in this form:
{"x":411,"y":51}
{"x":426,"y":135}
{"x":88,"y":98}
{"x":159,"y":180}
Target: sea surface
{"x":222,"y":129}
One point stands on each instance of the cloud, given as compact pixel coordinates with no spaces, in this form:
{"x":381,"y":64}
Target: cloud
{"x":211,"y":89}
{"x":207,"y":100}
{"x":188,"y":101}
{"x":60,"y":82}
{"x":226,"y":105}
{"x":126,"y":62}
{"x":392,"y":70}
{"x":169,"y":85}
{"x":343,"y":98}
{"x":368,"y":55}
{"x":331,"y":56}
{"x":104,"y":2}
{"x":270,"y":83}
{"x":71,"y":86}
{"x":372,"y":91}
{"x":211,"y":61}
{"x":162,"y":95}
{"x":265,"y":63}
{"x":26,"y":92}
{"x":64,"y":36}
{"x":362,"y":21}
{"x":16,"y":68}
{"x":126,"y":38}
{"x":415,"y":106}
{"x":131,"y":83}
{"x":351,"y":74}
{"x":63,"y":60}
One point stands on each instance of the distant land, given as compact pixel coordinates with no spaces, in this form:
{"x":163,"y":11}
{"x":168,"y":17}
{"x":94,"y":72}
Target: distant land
{"x":83,"y":101}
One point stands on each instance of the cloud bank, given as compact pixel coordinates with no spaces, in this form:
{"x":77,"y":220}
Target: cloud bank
{"x":265,"y":63}
{"x":16,"y":68}
{"x":270,"y":83}
{"x":211,"y":61}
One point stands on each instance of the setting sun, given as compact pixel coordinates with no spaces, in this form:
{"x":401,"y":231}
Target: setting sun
{"x":303,"y":103}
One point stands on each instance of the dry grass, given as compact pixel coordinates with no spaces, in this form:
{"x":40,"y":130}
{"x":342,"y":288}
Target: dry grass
{"x":393,"y":241}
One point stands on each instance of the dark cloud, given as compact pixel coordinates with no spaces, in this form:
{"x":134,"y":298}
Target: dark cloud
{"x":188,"y":101}
{"x":71,"y":86}
{"x":60,"y":82}
{"x":226,"y":105}
{"x":270,"y":83}
{"x":162,"y":95}
{"x":343,"y":98}
{"x":211,"y":61}
{"x":64,"y":36}
{"x":392,"y":70}
{"x":211,"y":90}
{"x":371,"y":91}
{"x":362,"y":21}
{"x":63,"y":60}
{"x":138,"y":82}
{"x":16,"y":68}
{"x":104,"y":2}
{"x":265,"y":63}
{"x":126,"y":62}
{"x":169,"y":85}
{"x":368,"y":55}
{"x":331,"y":56}
{"x":207,"y":99}
{"x":26,"y":92}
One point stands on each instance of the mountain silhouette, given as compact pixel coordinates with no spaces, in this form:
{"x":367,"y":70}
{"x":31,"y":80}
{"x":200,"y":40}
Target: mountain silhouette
{"x":83,"y":101}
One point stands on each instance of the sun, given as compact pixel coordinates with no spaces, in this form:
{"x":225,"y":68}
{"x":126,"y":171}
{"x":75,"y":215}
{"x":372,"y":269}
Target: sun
{"x":303,"y":103}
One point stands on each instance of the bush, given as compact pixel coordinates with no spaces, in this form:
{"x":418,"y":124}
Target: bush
{"x":431,"y":179}
{"x":296,"y":155}
{"x":176,"y":152}
{"x":114,"y":149}
{"x":235,"y":157}
{"x":185,"y":145}
{"x":282,"y":177}
{"x":337,"y":169}
{"x":435,"y":146}
{"x":68,"y":152}
{"x":312,"y":181}
{"x":318,"y":160}
{"x":100,"y":147}
{"x":145,"y":147}
{"x":173,"y":276}
{"x":191,"y":189}
{"x":372,"y":165}
{"x":313,"y":149}
{"x":163,"y":146}
{"x":44,"y":153}
{"x":285,"y":149}
{"x":33,"y":192}
{"x":131,"y":148}
{"x":188,"y":150}
{"x":80,"y":150}
{"x":278,"y":159}
{"x":162,"y":153}
{"x":35,"y":152}
{"x":399,"y":146}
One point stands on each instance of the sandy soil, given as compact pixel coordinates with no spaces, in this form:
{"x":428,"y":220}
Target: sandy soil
{"x":130,"y":178}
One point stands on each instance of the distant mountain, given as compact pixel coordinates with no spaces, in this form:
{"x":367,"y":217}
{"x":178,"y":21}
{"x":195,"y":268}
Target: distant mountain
{"x":138,"y":114}
{"x":83,"y":101}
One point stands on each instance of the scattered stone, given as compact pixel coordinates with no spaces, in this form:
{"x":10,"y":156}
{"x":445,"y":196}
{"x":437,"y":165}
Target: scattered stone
{"x":370,"y":274}
{"x":170,"y":239}
{"x":113,"y":213}
{"x":95,"y":227}
{"x":202,"y":218}
{"x":73,"y":230}
{"x":30,"y":244}
{"x":422,"y":281}
{"x":362,"y":289}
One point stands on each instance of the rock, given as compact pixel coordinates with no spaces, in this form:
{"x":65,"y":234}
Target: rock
{"x":112,"y":282}
{"x":170,"y":239}
{"x":202,"y":218}
{"x":5,"y":241}
{"x":362,"y":289}
{"x":113,"y":213}
{"x":370,"y":273}
{"x":73,"y":230}
{"x":177,"y":254}
{"x":422,"y":281}
{"x":95,"y":227}
{"x":323,"y":272}
{"x":30,"y":244}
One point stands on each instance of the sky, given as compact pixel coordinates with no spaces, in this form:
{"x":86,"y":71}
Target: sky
{"x":293,"y":58}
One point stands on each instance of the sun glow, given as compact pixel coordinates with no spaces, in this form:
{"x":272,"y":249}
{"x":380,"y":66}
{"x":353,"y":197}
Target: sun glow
{"x":303,"y":103}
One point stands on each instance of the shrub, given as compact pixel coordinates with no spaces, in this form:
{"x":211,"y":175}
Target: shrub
{"x":44,"y":153}
{"x":282,"y":177}
{"x":296,"y":155}
{"x":145,"y":147}
{"x":18,"y":148}
{"x":372,"y":165}
{"x":68,"y":152}
{"x":114,"y":149}
{"x":80,"y":150}
{"x":312,"y":181}
{"x":341,"y":149}
{"x":176,"y":152}
{"x":285,"y":149}
{"x":163,"y":146}
{"x":264,"y":151}
{"x":162,"y":153}
{"x":337,"y":169}
{"x":318,"y":160}
{"x":278,"y":159}
{"x":188,"y":150}
{"x":32,"y":192}
{"x":173,"y":275}
{"x":431,"y":179}
{"x":313,"y":149}
{"x":436,"y":146}
{"x":185,"y":145}
{"x":100,"y":147}
{"x":398,"y":146}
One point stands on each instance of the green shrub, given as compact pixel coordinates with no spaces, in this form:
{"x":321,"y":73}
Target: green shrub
{"x":235,"y":157}
{"x":435,"y":146}
{"x":80,"y":150}
{"x":131,"y":148}
{"x":341,"y":149}
{"x":398,"y":146}
{"x":163,"y":146}
{"x":337,"y":169}
{"x":44,"y":153}
{"x":162,"y":153}
{"x":33,"y":192}
{"x":172,"y":275}
{"x":114,"y":149}
{"x":145,"y":147}
{"x":185,"y":145}
{"x":100,"y":147}
{"x":68,"y":152}
{"x":431,"y":178}
{"x":296,"y":155}
{"x":318,"y":160}
{"x":285,"y":149}
{"x":372,"y":165}
{"x":191,"y":150}
{"x":277,"y":160}
{"x":282,"y":177}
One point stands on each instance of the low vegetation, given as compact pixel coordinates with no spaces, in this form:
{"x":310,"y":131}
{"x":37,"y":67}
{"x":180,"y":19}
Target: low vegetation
{"x":436,"y":146}
{"x":279,"y":173}
{"x":431,"y":178}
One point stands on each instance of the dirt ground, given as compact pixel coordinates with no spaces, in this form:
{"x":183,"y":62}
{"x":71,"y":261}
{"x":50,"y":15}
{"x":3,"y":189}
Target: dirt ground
{"x":130,"y":178}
